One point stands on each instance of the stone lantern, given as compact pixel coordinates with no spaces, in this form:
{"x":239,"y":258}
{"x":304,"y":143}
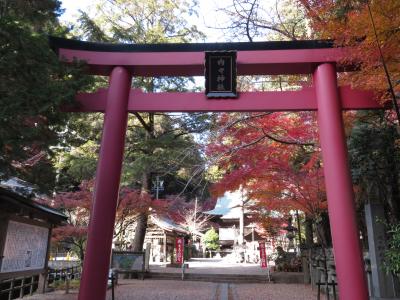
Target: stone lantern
{"x":290,"y":235}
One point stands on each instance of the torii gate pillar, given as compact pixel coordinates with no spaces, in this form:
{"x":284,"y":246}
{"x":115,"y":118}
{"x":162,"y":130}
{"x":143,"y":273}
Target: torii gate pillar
{"x":341,"y":206}
{"x":101,"y":226}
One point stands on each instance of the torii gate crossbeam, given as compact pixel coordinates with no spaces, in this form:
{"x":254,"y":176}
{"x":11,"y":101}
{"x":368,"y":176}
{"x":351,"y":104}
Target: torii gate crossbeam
{"x":121,"y":62}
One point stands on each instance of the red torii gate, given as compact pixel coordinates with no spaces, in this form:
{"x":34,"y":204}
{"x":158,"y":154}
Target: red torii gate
{"x":122,"y":61}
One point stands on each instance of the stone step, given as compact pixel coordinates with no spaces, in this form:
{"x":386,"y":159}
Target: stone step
{"x":277,"y":277}
{"x":288,"y":277}
{"x":226,"y":278}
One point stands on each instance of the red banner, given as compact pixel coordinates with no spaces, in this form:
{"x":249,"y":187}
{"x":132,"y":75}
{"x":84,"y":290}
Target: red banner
{"x":263,"y":256}
{"x":179,"y":244}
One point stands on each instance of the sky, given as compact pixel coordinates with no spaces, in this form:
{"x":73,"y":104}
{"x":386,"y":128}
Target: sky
{"x":207,"y":15}
{"x":207,"y":18}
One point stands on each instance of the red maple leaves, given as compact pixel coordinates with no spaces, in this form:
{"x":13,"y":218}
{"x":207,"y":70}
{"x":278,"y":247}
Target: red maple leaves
{"x":77,"y":205}
{"x":275,"y":157}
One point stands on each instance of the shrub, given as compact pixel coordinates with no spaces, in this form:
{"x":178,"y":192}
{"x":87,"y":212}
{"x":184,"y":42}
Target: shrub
{"x":392,"y":254}
{"x":211,"y":239}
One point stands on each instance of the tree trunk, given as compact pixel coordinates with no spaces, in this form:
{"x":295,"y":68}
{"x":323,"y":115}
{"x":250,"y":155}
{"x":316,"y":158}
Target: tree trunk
{"x":141,"y":223}
{"x":309,"y":231}
{"x":306,"y":252}
{"x":324,"y":231}
{"x":298,"y":227}
{"x":140,"y":232}
{"x":81,"y":250}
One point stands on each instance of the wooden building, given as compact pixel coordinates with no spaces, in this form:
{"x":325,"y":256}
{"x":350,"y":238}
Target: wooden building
{"x":238,"y":237}
{"x":25,"y":232}
{"x":235,"y":221}
{"x":161,"y":235}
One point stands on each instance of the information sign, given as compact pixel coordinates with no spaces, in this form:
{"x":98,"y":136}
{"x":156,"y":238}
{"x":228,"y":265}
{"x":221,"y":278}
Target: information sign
{"x":25,"y":247}
{"x":127,"y":261}
{"x":179,"y":250}
{"x":263,"y":256}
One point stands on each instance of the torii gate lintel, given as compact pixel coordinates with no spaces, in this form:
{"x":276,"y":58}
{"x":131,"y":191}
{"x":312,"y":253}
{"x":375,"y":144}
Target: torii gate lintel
{"x":301,"y":100}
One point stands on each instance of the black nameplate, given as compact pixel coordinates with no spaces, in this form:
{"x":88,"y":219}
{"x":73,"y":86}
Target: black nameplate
{"x":220,"y":73}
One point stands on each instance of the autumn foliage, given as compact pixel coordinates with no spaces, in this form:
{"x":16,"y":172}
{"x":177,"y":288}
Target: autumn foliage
{"x":77,"y":204}
{"x":349,"y":24}
{"x":274,"y":157}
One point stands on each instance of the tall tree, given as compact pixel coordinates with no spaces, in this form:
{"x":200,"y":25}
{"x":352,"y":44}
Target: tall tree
{"x":265,"y":20}
{"x":33,"y":84}
{"x":375,"y":161}
{"x":371,"y":30}
{"x":157,"y":144}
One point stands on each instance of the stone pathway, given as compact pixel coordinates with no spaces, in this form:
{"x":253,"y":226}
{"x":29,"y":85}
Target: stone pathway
{"x":193,"y":290}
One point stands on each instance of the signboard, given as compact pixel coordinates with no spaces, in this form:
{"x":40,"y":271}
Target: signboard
{"x":220,"y":74}
{"x":127,"y":261}
{"x":25,"y":247}
{"x":263,"y":256}
{"x":228,"y":234}
{"x":179,"y":244}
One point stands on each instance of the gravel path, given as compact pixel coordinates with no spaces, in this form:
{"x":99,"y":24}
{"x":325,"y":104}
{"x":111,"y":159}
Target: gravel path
{"x":193,"y":290}
{"x":273,"y":291}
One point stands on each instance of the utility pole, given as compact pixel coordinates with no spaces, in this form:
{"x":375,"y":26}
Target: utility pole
{"x":158,"y":186}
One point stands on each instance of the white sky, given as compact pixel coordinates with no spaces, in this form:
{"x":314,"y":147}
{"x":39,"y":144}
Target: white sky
{"x":207,"y":15}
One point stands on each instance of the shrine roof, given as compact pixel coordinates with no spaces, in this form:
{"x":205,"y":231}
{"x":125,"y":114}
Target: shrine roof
{"x":13,"y":202}
{"x":168,"y":224}
{"x":227,"y":206}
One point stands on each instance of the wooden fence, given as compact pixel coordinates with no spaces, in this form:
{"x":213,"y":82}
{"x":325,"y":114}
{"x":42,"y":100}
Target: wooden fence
{"x":18,"y":287}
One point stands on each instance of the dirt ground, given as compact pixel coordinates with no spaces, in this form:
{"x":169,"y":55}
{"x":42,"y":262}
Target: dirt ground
{"x":194,"y":290}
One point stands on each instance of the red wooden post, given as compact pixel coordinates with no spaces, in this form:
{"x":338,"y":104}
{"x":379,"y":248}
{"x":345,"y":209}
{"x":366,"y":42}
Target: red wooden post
{"x":341,"y":207}
{"x":102,"y":217}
